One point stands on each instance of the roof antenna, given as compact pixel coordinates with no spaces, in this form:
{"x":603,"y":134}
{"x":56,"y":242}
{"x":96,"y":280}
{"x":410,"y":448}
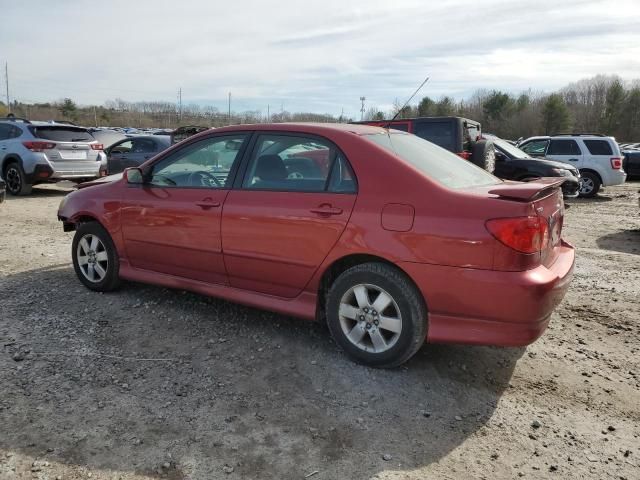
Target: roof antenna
{"x":406,"y":103}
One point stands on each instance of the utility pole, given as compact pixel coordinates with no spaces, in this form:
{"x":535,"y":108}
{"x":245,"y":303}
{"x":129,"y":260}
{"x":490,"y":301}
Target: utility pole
{"x":180,"y":105}
{"x":268,"y":114}
{"x":229,"y":108}
{"x":362,"y":99}
{"x":95,"y":116}
{"x":6,"y":79}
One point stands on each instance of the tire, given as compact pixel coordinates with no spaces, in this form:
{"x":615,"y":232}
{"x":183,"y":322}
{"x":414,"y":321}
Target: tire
{"x":16,"y":180}
{"x":101,"y":257}
{"x":589,"y":184}
{"x":483,"y":154}
{"x":354,"y":314}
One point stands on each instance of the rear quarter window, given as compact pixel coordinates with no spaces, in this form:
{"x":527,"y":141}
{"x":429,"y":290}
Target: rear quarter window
{"x":62,"y":134}
{"x":598,"y":147}
{"x":443,"y":134}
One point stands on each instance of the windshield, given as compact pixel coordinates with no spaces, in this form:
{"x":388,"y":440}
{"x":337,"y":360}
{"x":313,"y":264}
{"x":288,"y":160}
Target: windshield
{"x":513,"y":151}
{"x":435,"y":162}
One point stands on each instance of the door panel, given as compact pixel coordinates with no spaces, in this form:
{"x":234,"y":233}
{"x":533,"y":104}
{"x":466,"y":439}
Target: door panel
{"x":173,"y":231}
{"x":566,"y":151}
{"x":273,"y":242}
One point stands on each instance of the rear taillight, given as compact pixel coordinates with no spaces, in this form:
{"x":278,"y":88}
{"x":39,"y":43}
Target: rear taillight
{"x":616,"y":163}
{"x":39,"y":146}
{"x":97,"y":146}
{"x":466,"y":155}
{"x":523,"y":234}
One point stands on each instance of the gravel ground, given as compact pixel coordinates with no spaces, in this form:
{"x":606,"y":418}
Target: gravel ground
{"x":148,"y":382}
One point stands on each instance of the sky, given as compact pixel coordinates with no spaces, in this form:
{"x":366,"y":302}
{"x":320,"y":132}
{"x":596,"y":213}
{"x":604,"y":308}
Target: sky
{"x":313,"y":56}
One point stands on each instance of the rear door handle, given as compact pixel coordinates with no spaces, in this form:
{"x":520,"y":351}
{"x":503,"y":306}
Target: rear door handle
{"x":326,"y":210}
{"x":207,"y":204}
{"x":573,"y":159}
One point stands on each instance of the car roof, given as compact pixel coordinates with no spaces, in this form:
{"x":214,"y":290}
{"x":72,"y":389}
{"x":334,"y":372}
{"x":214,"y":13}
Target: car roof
{"x":307,"y":127}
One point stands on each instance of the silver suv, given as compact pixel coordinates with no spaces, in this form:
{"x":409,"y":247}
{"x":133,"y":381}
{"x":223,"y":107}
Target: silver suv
{"x":597,"y":157}
{"x":40,"y":152}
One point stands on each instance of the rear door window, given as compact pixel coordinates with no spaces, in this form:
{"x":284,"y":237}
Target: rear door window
{"x":5,"y":131}
{"x":598,"y":147}
{"x":440,"y":133}
{"x":564,"y":147}
{"x":62,"y":134}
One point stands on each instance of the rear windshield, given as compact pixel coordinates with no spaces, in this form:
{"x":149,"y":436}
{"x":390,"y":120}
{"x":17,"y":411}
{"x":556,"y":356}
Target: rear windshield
{"x":435,"y":162}
{"x":440,"y":133}
{"x":598,"y":147}
{"x":62,"y":134}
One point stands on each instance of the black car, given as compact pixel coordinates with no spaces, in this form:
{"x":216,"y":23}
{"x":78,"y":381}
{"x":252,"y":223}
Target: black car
{"x":134,"y":151}
{"x":514,"y":164}
{"x":631,"y":162}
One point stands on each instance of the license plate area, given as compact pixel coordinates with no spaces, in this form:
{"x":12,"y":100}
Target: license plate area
{"x":73,"y":154}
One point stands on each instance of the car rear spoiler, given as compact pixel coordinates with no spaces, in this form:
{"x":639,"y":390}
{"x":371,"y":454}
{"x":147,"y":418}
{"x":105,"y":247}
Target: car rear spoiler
{"x":528,"y":191}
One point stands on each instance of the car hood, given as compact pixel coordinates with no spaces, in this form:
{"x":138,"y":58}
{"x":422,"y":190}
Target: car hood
{"x":547,"y":162}
{"x":102,"y":180}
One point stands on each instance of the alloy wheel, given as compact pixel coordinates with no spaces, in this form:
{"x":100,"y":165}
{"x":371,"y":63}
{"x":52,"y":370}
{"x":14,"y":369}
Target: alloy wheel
{"x":92,"y":257}
{"x":13,"y":179}
{"x":586,"y":186}
{"x":370,"y":318}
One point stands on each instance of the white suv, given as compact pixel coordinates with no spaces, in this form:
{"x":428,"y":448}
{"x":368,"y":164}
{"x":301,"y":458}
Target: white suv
{"x":597,"y":157}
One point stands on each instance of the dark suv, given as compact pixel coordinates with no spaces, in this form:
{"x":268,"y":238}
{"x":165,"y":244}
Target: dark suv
{"x":456,"y":134}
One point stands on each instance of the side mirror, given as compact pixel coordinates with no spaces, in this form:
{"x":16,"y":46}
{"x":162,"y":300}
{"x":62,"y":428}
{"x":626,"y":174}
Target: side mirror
{"x":133,"y":176}
{"x":500,"y":157}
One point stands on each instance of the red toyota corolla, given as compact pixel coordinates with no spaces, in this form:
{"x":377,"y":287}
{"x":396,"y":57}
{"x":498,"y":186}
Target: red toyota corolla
{"x":388,"y":238}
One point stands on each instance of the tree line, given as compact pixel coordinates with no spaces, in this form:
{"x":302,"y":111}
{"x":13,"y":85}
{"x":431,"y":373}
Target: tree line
{"x":601,"y":104}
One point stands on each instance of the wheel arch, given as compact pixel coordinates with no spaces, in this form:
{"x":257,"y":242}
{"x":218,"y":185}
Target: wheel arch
{"x":591,"y":170}
{"x":12,"y":157}
{"x":340,"y":265}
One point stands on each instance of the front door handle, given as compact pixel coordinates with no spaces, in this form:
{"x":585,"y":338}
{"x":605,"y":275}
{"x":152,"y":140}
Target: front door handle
{"x":573,"y":159}
{"x":207,"y":204}
{"x":326,"y":210}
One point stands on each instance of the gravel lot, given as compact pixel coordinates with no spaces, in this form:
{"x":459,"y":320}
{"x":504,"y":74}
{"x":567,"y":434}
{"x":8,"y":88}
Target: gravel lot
{"x":148,"y":382}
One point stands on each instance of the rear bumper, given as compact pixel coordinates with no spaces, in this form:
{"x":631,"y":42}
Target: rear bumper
{"x":487,"y":307}
{"x":616,"y":177}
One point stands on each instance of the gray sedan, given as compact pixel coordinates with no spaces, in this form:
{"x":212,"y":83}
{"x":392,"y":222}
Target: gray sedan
{"x":132,"y":152}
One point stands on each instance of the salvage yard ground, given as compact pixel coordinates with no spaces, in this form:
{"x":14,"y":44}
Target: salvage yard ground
{"x":148,"y":382}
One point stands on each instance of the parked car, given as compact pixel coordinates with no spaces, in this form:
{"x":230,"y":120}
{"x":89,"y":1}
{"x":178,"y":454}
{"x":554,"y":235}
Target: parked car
{"x":3,"y":190}
{"x":631,"y":162}
{"x":456,"y":134}
{"x":106,"y":136}
{"x":39,"y":152}
{"x":514,"y":164}
{"x":396,"y":242}
{"x":134,"y":151}
{"x":186,"y":131}
{"x":597,"y":157}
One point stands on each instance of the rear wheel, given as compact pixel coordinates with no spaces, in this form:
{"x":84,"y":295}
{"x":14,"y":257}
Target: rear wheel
{"x":589,"y":184}
{"x":377,"y":315}
{"x":16,"y":180}
{"x":95,"y":259}
{"x":484,"y":155}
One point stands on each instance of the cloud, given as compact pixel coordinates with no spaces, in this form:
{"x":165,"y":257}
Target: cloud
{"x":316,"y":55}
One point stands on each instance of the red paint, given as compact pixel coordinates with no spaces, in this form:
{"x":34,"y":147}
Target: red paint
{"x":271,"y":249}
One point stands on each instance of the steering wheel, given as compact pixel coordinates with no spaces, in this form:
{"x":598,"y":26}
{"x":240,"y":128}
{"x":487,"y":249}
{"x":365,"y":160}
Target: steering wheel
{"x":203,"y":177}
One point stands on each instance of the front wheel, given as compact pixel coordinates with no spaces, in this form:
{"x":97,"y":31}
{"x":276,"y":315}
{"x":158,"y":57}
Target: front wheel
{"x":95,"y":259}
{"x":589,"y":184}
{"x":377,"y":315}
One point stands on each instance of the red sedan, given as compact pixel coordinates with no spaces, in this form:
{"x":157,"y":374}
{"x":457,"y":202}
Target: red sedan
{"x":398,"y":241}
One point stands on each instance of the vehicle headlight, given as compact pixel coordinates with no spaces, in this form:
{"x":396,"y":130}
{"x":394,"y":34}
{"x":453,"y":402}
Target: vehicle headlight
{"x":562,"y":172}
{"x":63,"y":202}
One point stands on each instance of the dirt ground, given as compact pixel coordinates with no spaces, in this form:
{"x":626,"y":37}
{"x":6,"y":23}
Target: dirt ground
{"x":149,"y":383}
